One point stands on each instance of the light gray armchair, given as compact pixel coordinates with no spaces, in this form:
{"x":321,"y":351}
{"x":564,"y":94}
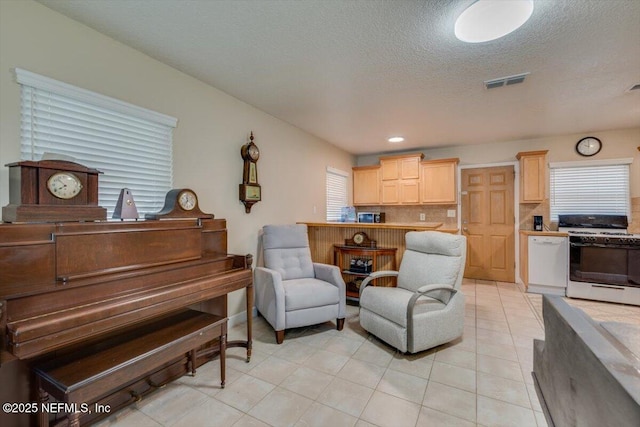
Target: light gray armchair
{"x":292,"y":291}
{"x":426,"y":308}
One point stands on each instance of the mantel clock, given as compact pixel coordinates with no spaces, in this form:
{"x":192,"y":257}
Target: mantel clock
{"x":250,"y":191}
{"x":179,"y":203}
{"x":52,"y":191}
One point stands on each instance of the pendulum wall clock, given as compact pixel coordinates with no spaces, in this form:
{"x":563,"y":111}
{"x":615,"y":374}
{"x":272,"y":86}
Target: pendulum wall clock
{"x":250,"y":191}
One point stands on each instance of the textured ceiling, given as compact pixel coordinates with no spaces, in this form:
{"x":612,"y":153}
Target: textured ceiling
{"x":356,"y":72}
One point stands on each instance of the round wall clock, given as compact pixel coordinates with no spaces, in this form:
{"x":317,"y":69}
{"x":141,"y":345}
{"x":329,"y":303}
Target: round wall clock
{"x":64,"y":185}
{"x":589,"y":146}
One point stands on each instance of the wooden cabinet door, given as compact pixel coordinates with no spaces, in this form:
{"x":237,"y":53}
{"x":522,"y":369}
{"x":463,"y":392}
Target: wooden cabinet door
{"x":390,"y":169}
{"x":391,"y":192}
{"x":366,"y":185}
{"x":409,"y":191}
{"x":438,"y":182}
{"x":533,"y":176}
{"x":410,"y":167}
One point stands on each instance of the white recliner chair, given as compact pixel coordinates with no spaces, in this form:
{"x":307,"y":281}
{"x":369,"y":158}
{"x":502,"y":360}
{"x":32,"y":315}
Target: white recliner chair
{"x":426,"y":309}
{"x":291,"y":290}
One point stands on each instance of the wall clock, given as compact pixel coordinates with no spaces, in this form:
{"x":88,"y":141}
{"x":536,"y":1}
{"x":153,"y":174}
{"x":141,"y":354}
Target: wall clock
{"x":52,"y":191}
{"x":589,"y":146}
{"x":179,"y":203}
{"x":250,"y":190}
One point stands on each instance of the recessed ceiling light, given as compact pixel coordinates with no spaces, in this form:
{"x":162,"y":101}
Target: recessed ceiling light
{"x":487,"y":20}
{"x":396,"y":139}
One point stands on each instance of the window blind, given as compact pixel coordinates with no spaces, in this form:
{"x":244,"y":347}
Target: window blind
{"x":592,"y":189}
{"x":336,"y":193}
{"x":132,"y":146}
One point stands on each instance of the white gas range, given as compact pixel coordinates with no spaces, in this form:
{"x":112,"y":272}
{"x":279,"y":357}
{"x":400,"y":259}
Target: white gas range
{"x":604,"y":260}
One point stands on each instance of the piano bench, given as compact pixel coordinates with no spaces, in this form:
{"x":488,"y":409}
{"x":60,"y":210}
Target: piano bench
{"x":82,"y":378}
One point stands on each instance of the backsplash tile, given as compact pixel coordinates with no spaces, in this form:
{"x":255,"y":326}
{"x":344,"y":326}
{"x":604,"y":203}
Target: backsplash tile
{"x":411,"y":214}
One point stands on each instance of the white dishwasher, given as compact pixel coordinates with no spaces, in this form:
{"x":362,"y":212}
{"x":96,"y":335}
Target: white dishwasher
{"x":548,"y":264}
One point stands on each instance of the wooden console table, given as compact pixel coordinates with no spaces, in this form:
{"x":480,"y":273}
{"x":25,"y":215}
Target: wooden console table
{"x":351,"y":278}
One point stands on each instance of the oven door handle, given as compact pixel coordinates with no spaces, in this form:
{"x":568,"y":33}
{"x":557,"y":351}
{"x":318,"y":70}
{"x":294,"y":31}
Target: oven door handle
{"x":603,"y":245}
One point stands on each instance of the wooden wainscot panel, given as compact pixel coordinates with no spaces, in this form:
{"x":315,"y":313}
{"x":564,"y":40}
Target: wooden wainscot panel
{"x":214,"y":237}
{"x":26,"y":258}
{"x":94,"y":253}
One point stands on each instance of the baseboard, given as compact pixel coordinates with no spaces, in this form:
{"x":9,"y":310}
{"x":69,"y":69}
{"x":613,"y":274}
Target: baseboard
{"x":241,"y":317}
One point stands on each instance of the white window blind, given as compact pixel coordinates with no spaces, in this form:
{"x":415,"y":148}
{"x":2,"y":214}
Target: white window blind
{"x":336,"y":193}
{"x":132,"y":146}
{"x":591,"y":189}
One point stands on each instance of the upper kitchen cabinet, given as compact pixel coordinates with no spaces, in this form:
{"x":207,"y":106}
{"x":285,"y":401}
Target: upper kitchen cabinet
{"x":438,"y":182}
{"x":533,"y":176}
{"x":400,"y":179}
{"x":366,"y":185}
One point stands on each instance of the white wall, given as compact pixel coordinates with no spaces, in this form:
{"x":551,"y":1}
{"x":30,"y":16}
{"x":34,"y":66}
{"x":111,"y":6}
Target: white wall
{"x":211,"y":129}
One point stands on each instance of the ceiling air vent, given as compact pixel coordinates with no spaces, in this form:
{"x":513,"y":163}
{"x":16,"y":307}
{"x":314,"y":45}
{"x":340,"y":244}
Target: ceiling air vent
{"x":634,"y":87}
{"x":505,"y":81}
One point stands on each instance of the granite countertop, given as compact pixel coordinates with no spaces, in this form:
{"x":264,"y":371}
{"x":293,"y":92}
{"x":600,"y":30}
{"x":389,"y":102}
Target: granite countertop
{"x":544,"y":233}
{"x":385,"y":225}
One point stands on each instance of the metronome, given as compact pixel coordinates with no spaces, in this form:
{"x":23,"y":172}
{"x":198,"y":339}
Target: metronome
{"x":126,"y":206}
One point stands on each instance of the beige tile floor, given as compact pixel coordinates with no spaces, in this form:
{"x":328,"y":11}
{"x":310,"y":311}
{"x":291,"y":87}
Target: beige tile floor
{"x":323,"y":377}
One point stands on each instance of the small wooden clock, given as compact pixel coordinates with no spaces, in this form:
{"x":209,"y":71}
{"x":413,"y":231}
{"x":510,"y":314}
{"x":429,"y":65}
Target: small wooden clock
{"x":250,"y":191}
{"x":179,"y":203}
{"x":52,"y":191}
{"x":360,"y":239}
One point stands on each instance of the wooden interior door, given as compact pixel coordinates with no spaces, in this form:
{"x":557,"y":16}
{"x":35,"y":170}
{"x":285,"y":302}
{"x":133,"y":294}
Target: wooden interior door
{"x":488,"y":222}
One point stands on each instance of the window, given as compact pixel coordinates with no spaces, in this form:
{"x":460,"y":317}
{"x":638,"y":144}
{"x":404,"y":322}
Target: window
{"x":132,"y":146}
{"x":599,"y":187}
{"x":336,"y":193}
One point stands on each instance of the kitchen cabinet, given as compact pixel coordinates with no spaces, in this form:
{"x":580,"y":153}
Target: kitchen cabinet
{"x":438,"y":181}
{"x":533,"y":176}
{"x":366,"y":185}
{"x":400,"y":179}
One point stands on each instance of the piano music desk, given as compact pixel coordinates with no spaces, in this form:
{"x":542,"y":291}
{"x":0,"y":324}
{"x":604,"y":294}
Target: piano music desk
{"x":92,"y":374}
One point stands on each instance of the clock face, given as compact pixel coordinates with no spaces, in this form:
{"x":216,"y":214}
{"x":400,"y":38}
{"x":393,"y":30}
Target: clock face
{"x":64,"y":185}
{"x":358,"y":238}
{"x":589,"y":146}
{"x":254,"y":153}
{"x":187,"y":200}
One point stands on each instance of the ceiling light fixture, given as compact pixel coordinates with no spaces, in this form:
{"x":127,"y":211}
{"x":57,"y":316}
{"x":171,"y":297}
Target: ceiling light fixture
{"x":396,"y":139}
{"x":487,"y":20}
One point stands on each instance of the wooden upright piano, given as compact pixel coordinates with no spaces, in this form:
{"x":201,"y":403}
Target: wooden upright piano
{"x":68,"y":286}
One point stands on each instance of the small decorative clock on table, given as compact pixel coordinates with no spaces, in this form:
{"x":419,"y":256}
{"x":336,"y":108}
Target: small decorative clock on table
{"x":52,"y":190}
{"x":361,"y":247}
{"x":179,"y":203}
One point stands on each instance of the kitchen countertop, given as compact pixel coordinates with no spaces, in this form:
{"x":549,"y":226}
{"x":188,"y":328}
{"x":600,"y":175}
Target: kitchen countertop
{"x":420,"y":226}
{"x":544,"y":233}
